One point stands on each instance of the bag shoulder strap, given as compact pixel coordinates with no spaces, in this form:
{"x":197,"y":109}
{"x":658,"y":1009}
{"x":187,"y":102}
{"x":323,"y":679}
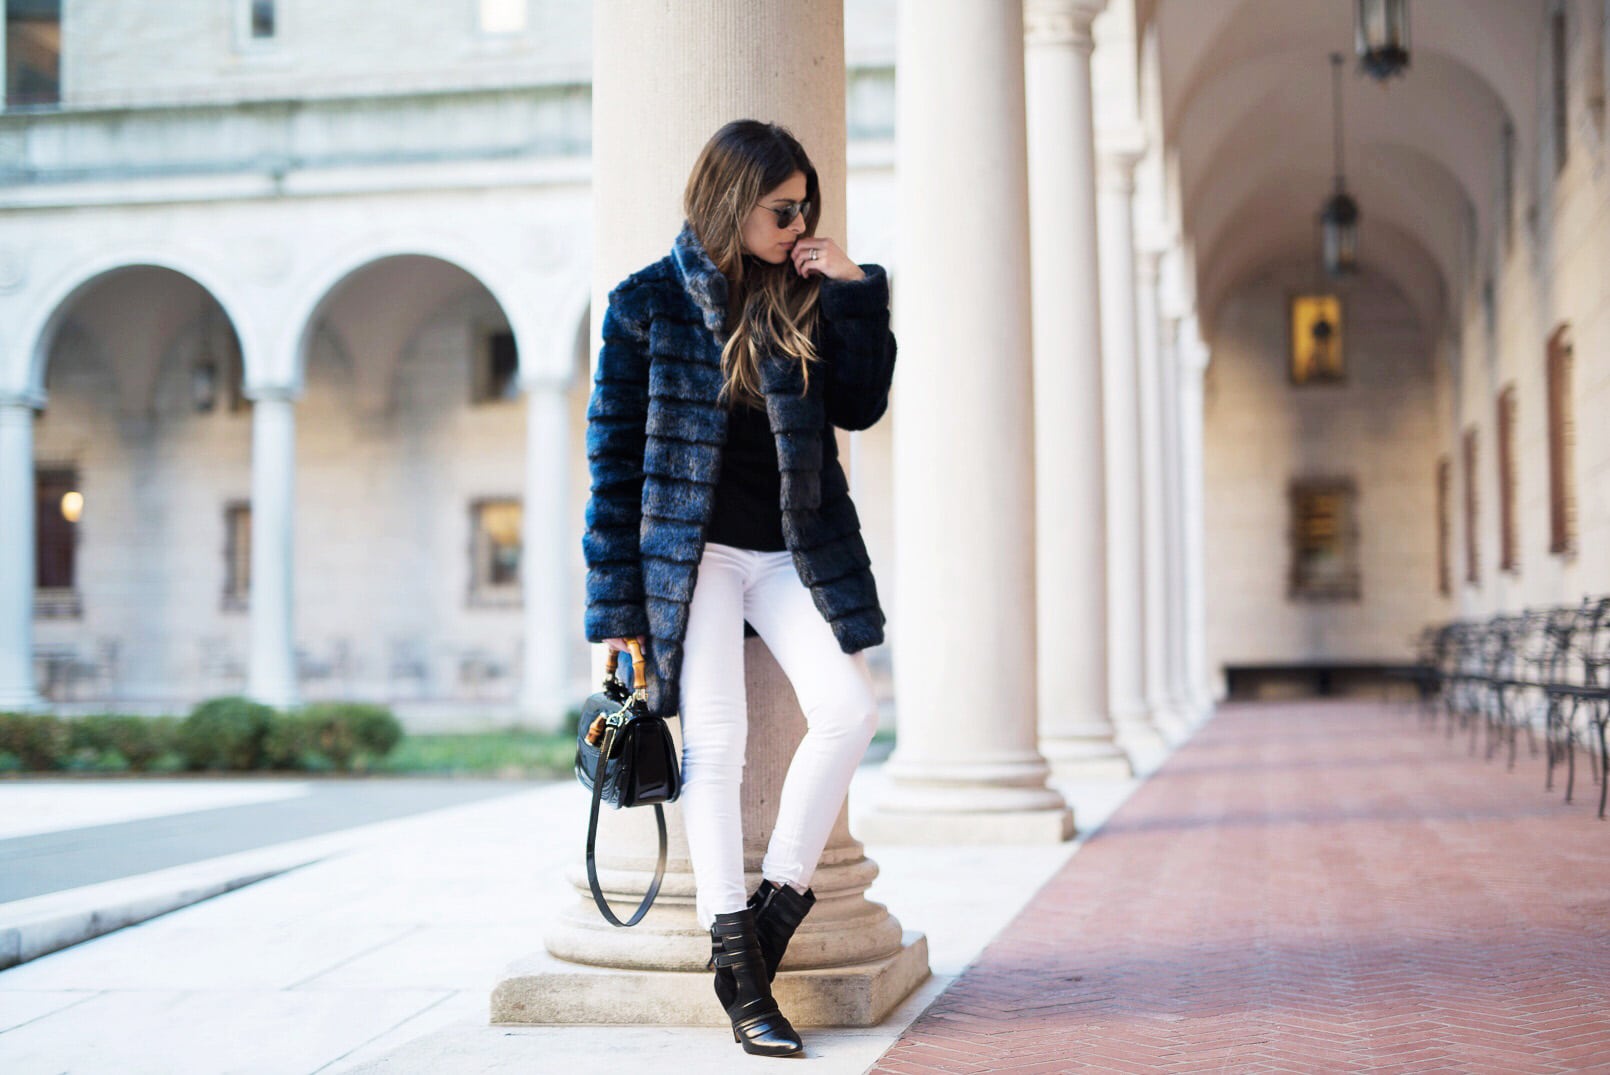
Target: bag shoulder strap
{"x":592,"y":839}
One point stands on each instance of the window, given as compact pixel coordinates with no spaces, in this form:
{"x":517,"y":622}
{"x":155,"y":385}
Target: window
{"x":495,"y":526}
{"x":1472,"y":559}
{"x":237,"y":555}
{"x":58,"y":505}
{"x":1316,"y":339}
{"x":1444,"y":525}
{"x":1562,"y":445}
{"x":33,"y":52}
{"x":1324,"y":540}
{"x":262,"y":20}
{"x":1558,"y":45}
{"x":502,"y":16}
{"x":497,"y":367}
{"x":1508,"y":540}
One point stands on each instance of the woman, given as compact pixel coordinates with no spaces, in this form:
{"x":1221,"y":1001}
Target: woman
{"x":718,"y":498}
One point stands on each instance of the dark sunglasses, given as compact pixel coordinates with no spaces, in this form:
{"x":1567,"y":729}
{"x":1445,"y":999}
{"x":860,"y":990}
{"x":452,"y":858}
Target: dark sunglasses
{"x":786,"y":215}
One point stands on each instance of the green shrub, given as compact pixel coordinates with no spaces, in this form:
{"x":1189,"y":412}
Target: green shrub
{"x":39,"y":742}
{"x":226,"y":733}
{"x":288,"y":741}
{"x":137,"y":741}
{"x":346,"y":734}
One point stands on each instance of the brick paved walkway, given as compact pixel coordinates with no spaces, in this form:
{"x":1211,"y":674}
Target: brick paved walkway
{"x":1316,"y":888}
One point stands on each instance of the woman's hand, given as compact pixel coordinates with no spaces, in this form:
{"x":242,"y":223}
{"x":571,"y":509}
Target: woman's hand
{"x":820,"y":256}
{"x":618,"y":644}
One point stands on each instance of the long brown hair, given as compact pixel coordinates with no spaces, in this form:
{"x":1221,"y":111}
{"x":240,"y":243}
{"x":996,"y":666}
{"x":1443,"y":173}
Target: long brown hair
{"x":770,"y":307}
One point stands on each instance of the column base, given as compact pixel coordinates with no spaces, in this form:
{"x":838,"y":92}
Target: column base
{"x":1087,"y":759}
{"x":929,"y":828}
{"x":1175,"y":721}
{"x":543,"y":990}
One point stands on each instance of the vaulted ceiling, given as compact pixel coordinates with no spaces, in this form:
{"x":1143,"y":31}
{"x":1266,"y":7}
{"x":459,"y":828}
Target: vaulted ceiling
{"x":1245,"y":104}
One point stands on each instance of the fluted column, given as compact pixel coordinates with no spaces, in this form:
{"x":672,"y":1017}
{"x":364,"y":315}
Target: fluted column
{"x":549,"y":541}
{"x":1167,"y":713}
{"x":726,"y":59}
{"x":1076,"y":735}
{"x":1193,"y":360}
{"x":966,"y":767}
{"x":271,"y":678}
{"x":17,"y":553}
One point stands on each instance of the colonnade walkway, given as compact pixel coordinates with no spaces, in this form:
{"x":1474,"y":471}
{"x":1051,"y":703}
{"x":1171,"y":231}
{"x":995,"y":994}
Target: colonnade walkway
{"x":1322,"y":887}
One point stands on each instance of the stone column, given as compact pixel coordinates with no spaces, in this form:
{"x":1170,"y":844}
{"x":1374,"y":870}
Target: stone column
{"x":18,"y":570}
{"x":271,"y":678}
{"x":1125,"y":588}
{"x":549,"y":541}
{"x":851,"y":962}
{"x":1193,"y":360}
{"x":966,"y":767}
{"x":1167,"y":714}
{"x":1181,"y":698}
{"x":1071,"y":590}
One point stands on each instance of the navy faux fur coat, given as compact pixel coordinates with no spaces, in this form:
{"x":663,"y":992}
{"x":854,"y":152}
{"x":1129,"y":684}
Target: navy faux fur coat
{"x":654,"y":439}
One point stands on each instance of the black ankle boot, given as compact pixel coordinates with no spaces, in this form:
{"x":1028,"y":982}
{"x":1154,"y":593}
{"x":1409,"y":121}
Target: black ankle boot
{"x":778,"y":912}
{"x":756,"y":1022}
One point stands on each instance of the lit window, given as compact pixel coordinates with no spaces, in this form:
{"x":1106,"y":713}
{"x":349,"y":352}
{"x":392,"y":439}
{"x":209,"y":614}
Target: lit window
{"x":495,"y":551}
{"x":503,"y":16}
{"x":1324,"y":540}
{"x":237,"y":554}
{"x":33,"y":52}
{"x":1316,"y":339}
{"x":58,"y":507}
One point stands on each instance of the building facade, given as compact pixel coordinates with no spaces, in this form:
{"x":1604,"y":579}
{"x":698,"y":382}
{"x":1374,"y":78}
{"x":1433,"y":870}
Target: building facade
{"x":297,"y":313}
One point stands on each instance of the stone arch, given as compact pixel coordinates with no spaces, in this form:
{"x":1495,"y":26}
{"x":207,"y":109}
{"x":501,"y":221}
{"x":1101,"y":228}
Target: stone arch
{"x":56,"y":301}
{"x":313,"y":294}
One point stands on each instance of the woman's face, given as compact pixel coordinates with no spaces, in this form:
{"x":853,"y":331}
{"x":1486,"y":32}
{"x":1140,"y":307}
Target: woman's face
{"x":762,"y":236}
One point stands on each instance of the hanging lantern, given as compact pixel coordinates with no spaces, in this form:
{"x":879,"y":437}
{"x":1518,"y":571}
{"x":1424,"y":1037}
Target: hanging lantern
{"x":1382,"y":37}
{"x":1338,"y":223}
{"x":1338,"y":219}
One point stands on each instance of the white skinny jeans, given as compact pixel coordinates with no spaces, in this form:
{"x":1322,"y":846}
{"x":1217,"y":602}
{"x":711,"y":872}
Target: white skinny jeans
{"x":834,"y":689}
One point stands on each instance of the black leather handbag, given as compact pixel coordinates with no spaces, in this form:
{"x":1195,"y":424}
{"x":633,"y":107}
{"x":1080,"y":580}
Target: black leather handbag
{"x":626,"y":757}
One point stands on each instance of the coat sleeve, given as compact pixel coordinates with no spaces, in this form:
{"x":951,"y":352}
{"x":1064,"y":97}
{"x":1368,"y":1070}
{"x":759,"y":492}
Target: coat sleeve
{"x":858,"y":347}
{"x":616,"y":419}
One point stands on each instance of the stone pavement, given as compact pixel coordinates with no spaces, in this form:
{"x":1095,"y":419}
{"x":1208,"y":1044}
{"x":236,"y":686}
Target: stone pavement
{"x":381,"y":953}
{"x":1318,"y":887}
{"x":67,"y":833}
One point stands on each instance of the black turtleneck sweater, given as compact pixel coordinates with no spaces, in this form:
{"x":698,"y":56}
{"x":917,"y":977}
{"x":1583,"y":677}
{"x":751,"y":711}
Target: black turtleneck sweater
{"x":747,"y":512}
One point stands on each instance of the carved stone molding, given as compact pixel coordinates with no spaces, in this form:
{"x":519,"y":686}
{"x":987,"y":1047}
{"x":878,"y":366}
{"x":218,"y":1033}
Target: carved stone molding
{"x":1060,"y":22}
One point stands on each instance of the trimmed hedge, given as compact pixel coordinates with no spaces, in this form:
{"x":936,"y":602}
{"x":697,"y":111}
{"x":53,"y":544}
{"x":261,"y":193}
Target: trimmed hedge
{"x":229,"y":734}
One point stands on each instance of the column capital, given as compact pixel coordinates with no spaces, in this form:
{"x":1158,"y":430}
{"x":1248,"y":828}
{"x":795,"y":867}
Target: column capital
{"x":1061,"y":22}
{"x":1193,"y":350}
{"x":26,"y":397}
{"x":537,"y":383}
{"x":273,"y":393}
{"x":1116,"y":158}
